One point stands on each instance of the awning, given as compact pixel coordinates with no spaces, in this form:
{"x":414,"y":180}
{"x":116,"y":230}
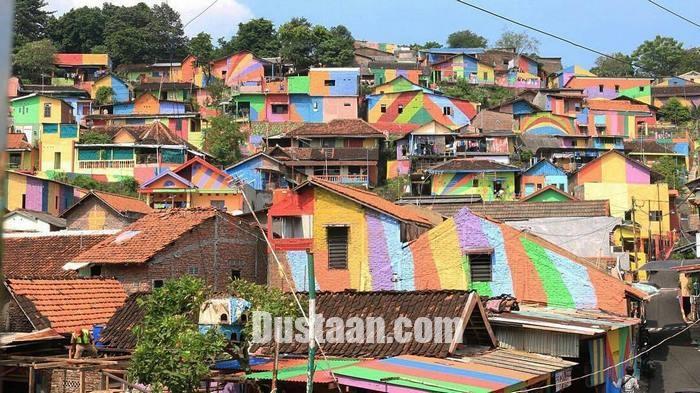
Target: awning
{"x":74,"y":265}
{"x":668,"y":265}
{"x":499,"y":370}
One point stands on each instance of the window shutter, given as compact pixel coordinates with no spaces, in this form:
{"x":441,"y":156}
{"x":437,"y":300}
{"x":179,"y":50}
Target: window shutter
{"x":337,"y":247}
{"x":480,"y":266}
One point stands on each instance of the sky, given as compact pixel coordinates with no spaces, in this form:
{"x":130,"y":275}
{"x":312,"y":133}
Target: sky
{"x":605,"y":25}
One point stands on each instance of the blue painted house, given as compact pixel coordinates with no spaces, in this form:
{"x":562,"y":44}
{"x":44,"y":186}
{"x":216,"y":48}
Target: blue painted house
{"x":260,"y":171}
{"x":541,"y":175}
{"x":122,"y":92}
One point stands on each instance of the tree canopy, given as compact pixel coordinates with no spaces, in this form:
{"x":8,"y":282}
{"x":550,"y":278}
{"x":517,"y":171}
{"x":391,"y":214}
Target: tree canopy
{"x":223,"y":139}
{"x":522,"y":42}
{"x":487,"y":96}
{"x":79,"y":30}
{"x":674,"y":112}
{"x":257,"y":36}
{"x":659,"y":57}
{"x":672,"y":172}
{"x":620,"y":65}
{"x":31,"y":21}
{"x":34,"y":59}
{"x":170,"y":352}
{"x":466,"y":39}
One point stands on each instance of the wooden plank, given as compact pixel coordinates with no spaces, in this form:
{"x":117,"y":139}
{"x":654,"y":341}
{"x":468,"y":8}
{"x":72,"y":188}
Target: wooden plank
{"x":32,"y":381}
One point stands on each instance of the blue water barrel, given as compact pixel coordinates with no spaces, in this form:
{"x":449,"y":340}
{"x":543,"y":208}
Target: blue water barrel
{"x":96,"y":334}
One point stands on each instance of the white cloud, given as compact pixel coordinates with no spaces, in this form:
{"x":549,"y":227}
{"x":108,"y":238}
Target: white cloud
{"x":221,"y":20}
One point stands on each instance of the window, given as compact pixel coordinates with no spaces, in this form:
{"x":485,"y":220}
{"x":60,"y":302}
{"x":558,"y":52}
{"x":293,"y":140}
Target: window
{"x":347,"y":104}
{"x":382,"y":108}
{"x":56,"y":202}
{"x":641,"y":88}
{"x":561,"y":187}
{"x":47,"y":110}
{"x":193,"y":270}
{"x":577,"y":107}
{"x":95,"y":270}
{"x":486,"y":75}
{"x":280,"y":109}
{"x":655,"y":215}
{"x":447,"y":110}
{"x":600,"y":88}
{"x":328,"y":142}
{"x":329,"y":82}
{"x":628,"y":215}
{"x":480,"y":267}
{"x":617,"y":88}
{"x":400,"y":109}
{"x":337,"y":239}
{"x":290,"y":227}
{"x":218,"y":204}
{"x":15,"y":160}
{"x":178,"y":124}
{"x":235,"y":274}
{"x":539,"y":186}
{"x":475,"y":182}
{"x":157,"y":284}
{"x":315,"y":105}
{"x":57,"y":160}
{"x":24,"y":201}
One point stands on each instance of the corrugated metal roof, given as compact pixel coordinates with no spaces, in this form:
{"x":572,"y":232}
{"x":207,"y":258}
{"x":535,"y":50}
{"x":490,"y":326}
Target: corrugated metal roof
{"x":294,"y":370}
{"x":538,"y":341}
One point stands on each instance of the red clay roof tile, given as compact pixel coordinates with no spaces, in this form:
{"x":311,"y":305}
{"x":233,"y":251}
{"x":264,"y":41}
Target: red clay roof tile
{"x":17,"y":141}
{"x":68,"y":304}
{"x":123,"y":204}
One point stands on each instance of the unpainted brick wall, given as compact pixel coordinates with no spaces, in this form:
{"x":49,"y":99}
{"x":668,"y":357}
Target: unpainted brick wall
{"x":84,"y":216}
{"x":68,"y":381}
{"x":199,"y":253}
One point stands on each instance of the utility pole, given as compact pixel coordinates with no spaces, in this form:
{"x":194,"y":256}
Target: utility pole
{"x":634,"y":234}
{"x":312,"y":323}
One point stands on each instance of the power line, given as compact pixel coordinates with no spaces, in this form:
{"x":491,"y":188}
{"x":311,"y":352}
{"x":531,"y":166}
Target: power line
{"x":673,"y":13}
{"x":568,"y":41}
{"x":200,"y":14}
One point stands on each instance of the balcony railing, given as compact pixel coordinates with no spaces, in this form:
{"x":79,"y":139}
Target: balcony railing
{"x":105,"y":164}
{"x":345,"y":179}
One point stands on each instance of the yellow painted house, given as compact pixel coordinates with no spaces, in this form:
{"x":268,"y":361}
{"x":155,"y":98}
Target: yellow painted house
{"x":49,"y":124}
{"x":643,"y":205}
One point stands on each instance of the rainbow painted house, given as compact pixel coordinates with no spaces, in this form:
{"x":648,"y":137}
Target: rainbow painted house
{"x":361,"y":241}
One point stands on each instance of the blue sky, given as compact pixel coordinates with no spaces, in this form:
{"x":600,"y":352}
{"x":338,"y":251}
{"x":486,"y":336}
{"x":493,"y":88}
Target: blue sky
{"x":606,"y":25}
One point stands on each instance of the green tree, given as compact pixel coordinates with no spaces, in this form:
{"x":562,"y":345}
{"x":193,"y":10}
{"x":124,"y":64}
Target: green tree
{"x":170,"y":352}
{"x":675,"y":112}
{"x":31,"y":21}
{"x":671,"y":170}
{"x":126,"y":36}
{"x":620,"y":66}
{"x":126,"y":185}
{"x":690,"y":62}
{"x":298,"y":43}
{"x":217,"y":91}
{"x":166,"y":34}
{"x":94,"y":137}
{"x":222,"y":139}
{"x":34,"y":59}
{"x":659,"y":57}
{"x":257,"y":36}
{"x":522,"y":42}
{"x":78,"y":30}
{"x":104,"y":95}
{"x":466,"y":39}
{"x":201,"y":46}
{"x":486,"y":95}
{"x":336,"y":47}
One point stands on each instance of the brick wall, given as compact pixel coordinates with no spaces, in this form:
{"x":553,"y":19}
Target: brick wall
{"x":94,"y":214}
{"x":68,"y":381}
{"x":238,"y":249}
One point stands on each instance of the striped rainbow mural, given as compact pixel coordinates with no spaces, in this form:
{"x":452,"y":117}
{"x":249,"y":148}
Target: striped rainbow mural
{"x":606,"y":352}
{"x":418,"y":108}
{"x":544,"y":123}
{"x":522,"y":265}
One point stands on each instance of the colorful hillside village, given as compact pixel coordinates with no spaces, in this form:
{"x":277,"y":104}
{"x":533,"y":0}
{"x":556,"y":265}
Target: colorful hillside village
{"x":534,"y":222}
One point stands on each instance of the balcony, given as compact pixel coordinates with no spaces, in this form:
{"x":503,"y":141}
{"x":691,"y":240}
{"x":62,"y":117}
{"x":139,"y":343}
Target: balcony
{"x":105,"y":164}
{"x":346,"y":179}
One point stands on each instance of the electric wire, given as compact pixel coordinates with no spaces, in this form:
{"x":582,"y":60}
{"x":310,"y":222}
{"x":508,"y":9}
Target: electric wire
{"x":673,"y":13}
{"x":200,"y":14}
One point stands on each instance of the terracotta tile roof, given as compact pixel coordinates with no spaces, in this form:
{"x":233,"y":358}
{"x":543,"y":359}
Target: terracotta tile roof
{"x":470,"y":165}
{"x":143,"y":239}
{"x":394,"y":128}
{"x":18,"y":141}
{"x":616,"y":105}
{"x":373,"y":201}
{"x":123,"y":204}
{"x":338,"y":127}
{"x":117,"y":334}
{"x":43,"y":255}
{"x":488,"y":120}
{"x":515,"y":211}
{"x":154,"y":133}
{"x":67,"y":304}
{"x":391,"y":305}
{"x":321,"y":154}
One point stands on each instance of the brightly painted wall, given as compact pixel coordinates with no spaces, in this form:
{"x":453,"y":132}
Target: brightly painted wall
{"x":396,"y":168}
{"x":398,"y":85}
{"x":636,"y":88}
{"x":239,"y":69}
{"x":33,"y":193}
{"x":566,"y":74}
{"x":615,"y":123}
{"x":300,"y":107}
{"x":522,"y":265}
{"x":454,"y":184}
{"x":607,"y":357}
{"x":418,"y":108}
{"x":690,"y":101}
{"x":612,"y":167}
{"x":120,"y":88}
{"x":541,"y":175}
{"x":334,"y":82}
{"x":383,"y":75}
{"x":545,"y":123}
{"x":464,"y":67}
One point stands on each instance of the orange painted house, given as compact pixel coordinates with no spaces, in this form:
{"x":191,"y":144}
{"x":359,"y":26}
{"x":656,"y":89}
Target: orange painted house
{"x":195,"y":183}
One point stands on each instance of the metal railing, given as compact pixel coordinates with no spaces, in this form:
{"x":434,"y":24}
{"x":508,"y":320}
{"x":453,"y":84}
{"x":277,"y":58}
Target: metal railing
{"x":105,"y":164}
{"x":345,"y":179}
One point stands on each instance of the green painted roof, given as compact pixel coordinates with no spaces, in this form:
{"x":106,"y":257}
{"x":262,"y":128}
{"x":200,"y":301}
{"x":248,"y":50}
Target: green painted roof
{"x":297,"y":372}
